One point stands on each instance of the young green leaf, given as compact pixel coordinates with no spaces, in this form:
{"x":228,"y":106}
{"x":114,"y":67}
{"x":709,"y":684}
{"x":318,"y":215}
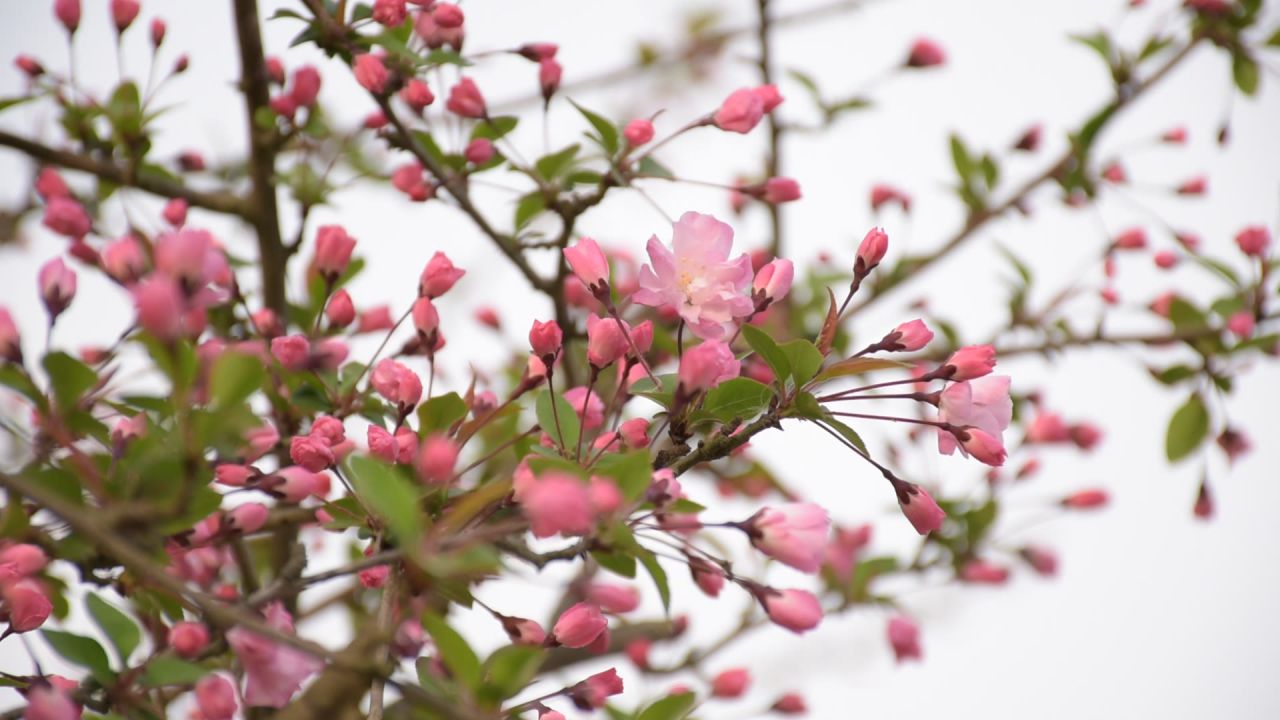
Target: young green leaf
{"x":1187,"y":428}
{"x":119,"y":628}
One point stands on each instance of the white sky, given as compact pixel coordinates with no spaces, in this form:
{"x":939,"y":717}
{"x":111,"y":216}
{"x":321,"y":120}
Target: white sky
{"x":1153,"y":614}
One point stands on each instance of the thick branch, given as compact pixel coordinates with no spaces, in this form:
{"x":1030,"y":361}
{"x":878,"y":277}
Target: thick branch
{"x":223,"y":202}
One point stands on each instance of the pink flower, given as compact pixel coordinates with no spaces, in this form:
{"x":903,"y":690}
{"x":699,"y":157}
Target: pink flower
{"x":589,"y":263}
{"x":24,"y":559}
{"x":925,"y":53}
{"x":1042,"y":560}
{"x":175,"y":212}
{"x":1253,"y":240}
{"x":638,"y":132}
{"x":425,"y":319}
{"x":1131,"y":239}
{"x":417,"y":95}
{"x":731,"y":683}
{"x":796,"y":610}
{"x":27,"y":604}
{"x":10,"y":339}
{"x":970,"y":362}
{"x":437,"y":459}
{"x":124,"y":12}
{"x":546,"y":338}
{"x":604,"y":494}
{"x":159,"y":304}
{"x":635,"y":432}
{"x":841,"y":554}
{"x":696,"y":277}
{"x":593,"y":417}
{"x":293,"y":351}
{"x":1165,"y":259}
{"x":371,"y":73}
{"x":740,"y":112}
{"x":216,"y":698}
{"x":606,"y":342}
{"x":57,"y":286}
{"x":778,"y":190}
{"x":790,"y":704}
{"x":466,"y":101}
{"x":981,"y":571}
{"x":188,"y":639}
{"x":1241,"y":323}
{"x":1086,"y":499}
{"x":592,"y":692}
{"x":396,"y":383}
{"x":768,"y":95}
{"x":558,"y":504}
{"x":333,"y":251}
{"x":707,"y":365}
{"x":549,"y":72}
{"x":311,"y":453}
{"x":579,"y":626}
{"x":389,"y":12}
{"x":919,"y":507}
{"x":340,"y":311}
{"x":1047,"y":427}
{"x":910,"y":336}
{"x":871,"y":251}
{"x":189,"y":256}
{"x":438,"y":276}
{"x":124,"y":260}
{"x":794,"y":534}
{"x":274,"y":671}
{"x":50,"y":185}
{"x":249,"y":517}
{"x":983,"y":404}
{"x":49,"y":702}
{"x":772,"y":282}
{"x":306,"y":86}
{"x":1194,"y":186}
{"x":884,"y":194}
{"x":479,"y":151}
{"x":904,"y":638}
{"x":613,"y":598}
{"x":709,"y":578}
{"x":523,"y":631}
{"x":68,"y":13}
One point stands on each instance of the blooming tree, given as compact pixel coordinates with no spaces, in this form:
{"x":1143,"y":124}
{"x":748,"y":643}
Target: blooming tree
{"x":194,"y":467}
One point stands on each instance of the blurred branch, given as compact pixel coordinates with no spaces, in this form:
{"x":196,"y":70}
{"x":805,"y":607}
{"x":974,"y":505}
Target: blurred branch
{"x":773,"y":157}
{"x":223,"y":202}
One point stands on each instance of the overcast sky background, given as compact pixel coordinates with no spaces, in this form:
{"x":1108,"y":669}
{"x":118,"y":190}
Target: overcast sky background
{"x":1153,"y":614}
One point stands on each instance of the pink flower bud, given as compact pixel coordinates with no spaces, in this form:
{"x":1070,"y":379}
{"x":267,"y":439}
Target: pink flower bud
{"x":523,"y":631}
{"x":910,"y":336}
{"x":1086,"y":499}
{"x":615,"y":599}
{"x":537,"y":51}
{"x":731,"y":683}
{"x":124,"y":12}
{"x":57,"y":286}
{"x":50,"y":185}
{"x":1165,"y":259}
{"x":157,"y":32}
{"x":972,"y":361}
{"x":371,"y":73}
{"x":30,"y":66}
{"x":447,"y":15}
{"x":772,"y":282}
{"x":796,"y":610}
{"x":925,"y":53}
{"x":10,"y":340}
{"x":578,"y":626}
{"x":124,"y":260}
{"x":292,"y":351}
{"x":66,"y":216}
{"x":558,"y":504}
{"x":642,"y":336}
{"x":794,"y":534}
{"x":216,"y":698}
{"x":638,"y":132}
{"x":397,"y":383}
{"x":232,"y":475}
{"x":1029,"y":141}
{"x":466,"y":101}
{"x":589,"y":263}
{"x":425,"y":317}
{"x":340,"y":311}
{"x":28,"y":604}
{"x":1194,"y":186}
{"x":249,"y":517}
{"x":68,"y":13}
{"x":1241,"y":324}
{"x":549,"y":72}
{"x":904,"y":638}
{"x":921,"y":510}
{"x":275,"y":71}
{"x":768,"y":95}
{"x":779,"y":190}
{"x":1042,"y":560}
{"x":1203,"y":508}
{"x":545,"y":338}
{"x":871,"y":251}
{"x":128,"y":429}
{"x":595,"y":690}
{"x":740,"y":112}
{"x":188,"y":639}
{"x":175,"y":212}
{"x":1114,"y":173}
{"x":159,"y":305}
{"x":604,"y":495}
{"x":479,"y":151}
{"x":638,"y":652}
{"x":707,"y":365}
{"x":635,"y":432}
{"x":438,"y":276}
{"x":1086,"y":436}
{"x":437,"y":459}
{"x":606,"y":342}
{"x":1174,"y":136}
{"x":417,"y":95}
{"x":1131,"y":239}
{"x":311,"y":453}
{"x":390,"y":13}
{"x":333,"y":250}
{"x":1254,"y":240}
{"x":409,"y":639}
{"x":983,"y":572}
{"x":51,"y":702}
{"x":983,"y":446}
{"x":374,"y":577}
{"x":24,"y":559}
{"x":883,"y":194}
{"x":790,"y":704}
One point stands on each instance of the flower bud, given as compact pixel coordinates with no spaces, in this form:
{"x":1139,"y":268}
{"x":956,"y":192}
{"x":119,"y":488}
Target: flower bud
{"x":740,"y":112}
{"x":57,"y":286}
{"x":904,"y":638}
{"x":216,"y":698}
{"x":794,"y":534}
{"x":188,"y":639}
{"x":731,"y":683}
{"x":545,"y":338}
{"x":340,"y":311}
{"x":972,"y":361}
{"x":871,"y":251}
{"x":479,"y":151}
{"x":438,"y":276}
{"x":919,"y":508}
{"x":589,"y":263}
{"x":638,"y":132}
{"x":124,"y":12}
{"x":707,"y":365}
{"x":436,"y":459}
{"x":578,"y":626}
{"x":778,"y":190}
{"x":68,"y":13}
{"x":466,"y":101}
{"x":292,"y":351}
{"x":417,"y":95}
{"x":371,"y":73}
{"x":796,"y":610}
{"x":925,"y":53}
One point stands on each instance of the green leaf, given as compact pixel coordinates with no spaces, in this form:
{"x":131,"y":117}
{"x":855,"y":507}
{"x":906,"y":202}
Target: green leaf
{"x":235,"y":377}
{"x":1245,"y":71}
{"x":495,"y":128}
{"x":119,"y":628}
{"x":804,"y":358}
{"x":165,"y":670}
{"x":528,"y":208}
{"x":644,"y":387}
{"x":846,"y":432}
{"x":125,"y":109}
{"x":446,"y":57}
{"x":608,"y":138}
{"x":631,"y":471}
{"x":7,"y":103}
{"x":1274,"y":40}
{"x":866,"y":571}
{"x":648,"y":167}
{"x":454,"y":651}
{"x":14,"y":378}
{"x":568,"y":419}
{"x":857,"y":366}
{"x":509,"y":669}
{"x":1185,"y":315}
{"x":671,"y":707}
{"x":69,"y":377}
{"x":961,"y":159}
{"x":1154,"y":46}
{"x":1173,"y":375}
{"x":392,"y":497}
{"x":740,"y":398}
{"x":659,"y":576}
{"x":1187,"y":428}
{"x":768,"y":350}
{"x":554,"y":165}
{"x":82,"y":651}
{"x":1100,"y":42}
{"x":441,"y":412}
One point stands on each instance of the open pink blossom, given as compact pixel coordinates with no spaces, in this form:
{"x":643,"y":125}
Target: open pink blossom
{"x":794,"y":534}
{"x":274,"y":671}
{"x":983,"y":403}
{"x":695,"y":276}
